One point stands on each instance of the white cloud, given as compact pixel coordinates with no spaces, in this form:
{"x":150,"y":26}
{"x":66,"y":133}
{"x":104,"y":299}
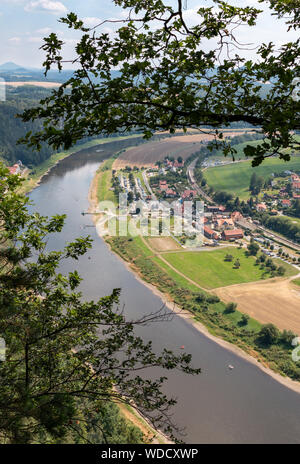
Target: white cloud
{"x":35,"y":39}
{"x":44,"y":30}
{"x":14,"y":40}
{"x":48,"y":6}
{"x":92,"y":22}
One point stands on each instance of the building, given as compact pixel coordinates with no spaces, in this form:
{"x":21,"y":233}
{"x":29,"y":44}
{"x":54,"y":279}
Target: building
{"x":286,"y":203}
{"x":234,"y":234}
{"x":15,"y":169}
{"x":295,"y":178}
{"x":177,"y":164}
{"x":163,"y":186}
{"x":170,"y":193}
{"x":296,"y":186}
{"x":188,"y":194}
{"x":212,"y":209}
{"x":209,"y":233}
{"x":261,"y":207}
{"x":236,"y":216}
{"x":222,"y":224}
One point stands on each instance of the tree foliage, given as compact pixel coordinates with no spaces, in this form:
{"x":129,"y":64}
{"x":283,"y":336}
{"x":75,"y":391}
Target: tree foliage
{"x":12,"y":128}
{"x":172,"y":75}
{"x":65,"y":357}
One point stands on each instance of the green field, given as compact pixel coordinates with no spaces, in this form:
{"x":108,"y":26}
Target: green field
{"x":208,"y":268}
{"x":104,"y":183}
{"x":235,"y":178}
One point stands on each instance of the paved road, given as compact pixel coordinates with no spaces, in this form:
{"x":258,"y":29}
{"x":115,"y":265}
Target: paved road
{"x":148,"y":186}
{"x":246,"y":224}
{"x":193,"y":183}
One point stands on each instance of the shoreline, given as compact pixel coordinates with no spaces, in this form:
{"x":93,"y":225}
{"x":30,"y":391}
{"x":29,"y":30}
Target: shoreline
{"x":186,"y":315}
{"x":31,"y":183}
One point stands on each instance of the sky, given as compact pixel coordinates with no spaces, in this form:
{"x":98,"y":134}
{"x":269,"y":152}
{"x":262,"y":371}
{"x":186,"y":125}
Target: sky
{"x":24,"y":23}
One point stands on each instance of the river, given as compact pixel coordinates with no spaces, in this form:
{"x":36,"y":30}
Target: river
{"x":244,"y":405}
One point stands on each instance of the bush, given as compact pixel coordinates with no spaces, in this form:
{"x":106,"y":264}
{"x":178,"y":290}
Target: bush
{"x":200,"y":298}
{"x":245,"y":319}
{"x":213,"y":299}
{"x":281,"y":270}
{"x":230,"y":308}
{"x":287,"y":337}
{"x":269,"y":334}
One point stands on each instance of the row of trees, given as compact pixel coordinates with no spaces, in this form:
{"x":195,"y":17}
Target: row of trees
{"x":283,"y":225}
{"x":256,"y":184}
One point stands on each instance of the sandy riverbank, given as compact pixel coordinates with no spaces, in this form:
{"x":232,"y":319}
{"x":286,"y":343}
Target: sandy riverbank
{"x":189,"y":317}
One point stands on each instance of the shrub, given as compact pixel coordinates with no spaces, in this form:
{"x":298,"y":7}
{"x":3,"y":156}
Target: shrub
{"x":230,"y":308}
{"x":200,"y":298}
{"x":287,"y":337}
{"x":213,"y":299}
{"x":269,"y":334}
{"x":245,"y":319}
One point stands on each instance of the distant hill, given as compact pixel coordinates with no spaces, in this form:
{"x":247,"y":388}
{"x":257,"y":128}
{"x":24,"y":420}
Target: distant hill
{"x":12,"y":72}
{"x":10,"y":66}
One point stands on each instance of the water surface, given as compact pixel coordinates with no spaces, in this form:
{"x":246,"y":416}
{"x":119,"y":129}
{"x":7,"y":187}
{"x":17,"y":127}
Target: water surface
{"x":244,"y":405}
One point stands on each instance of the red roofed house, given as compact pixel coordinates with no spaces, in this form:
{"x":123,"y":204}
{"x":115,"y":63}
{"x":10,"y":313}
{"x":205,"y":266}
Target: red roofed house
{"x":15,"y":169}
{"x":212,"y":209}
{"x":163,"y":185}
{"x":286,"y":203}
{"x":188,"y":194}
{"x":296,"y":186}
{"x":232,"y":234}
{"x":295,"y":178}
{"x":224,"y":224}
{"x":170,"y":193}
{"x":236,"y":216}
{"x":261,"y":207}
{"x":209,"y":233}
{"x":296,"y":196}
{"x":176,"y":164}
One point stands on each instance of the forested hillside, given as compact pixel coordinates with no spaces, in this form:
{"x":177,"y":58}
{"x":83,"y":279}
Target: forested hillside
{"x":12,"y":128}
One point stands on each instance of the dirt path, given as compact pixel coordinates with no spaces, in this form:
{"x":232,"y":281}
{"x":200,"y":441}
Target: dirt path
{"x":275,"y":300}
{"x":170,"y":265}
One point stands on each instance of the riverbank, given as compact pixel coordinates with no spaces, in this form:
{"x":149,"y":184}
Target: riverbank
{"x":171,"y":292}
{"x":34,"y":176}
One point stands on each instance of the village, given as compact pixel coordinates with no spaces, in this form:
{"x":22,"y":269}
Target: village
{"x":283,"y":193}
{"x":167,"y":185}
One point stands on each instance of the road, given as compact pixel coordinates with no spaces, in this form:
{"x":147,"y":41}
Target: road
{"x":245,"y":224}
{"x":148,"y":186}
{"x":193,"y":183}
